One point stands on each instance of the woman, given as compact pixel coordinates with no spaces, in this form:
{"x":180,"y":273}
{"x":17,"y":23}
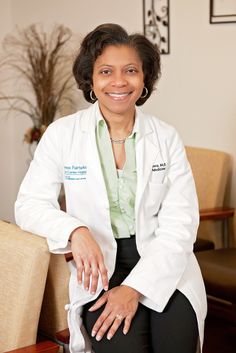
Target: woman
{"x":132,"y":211}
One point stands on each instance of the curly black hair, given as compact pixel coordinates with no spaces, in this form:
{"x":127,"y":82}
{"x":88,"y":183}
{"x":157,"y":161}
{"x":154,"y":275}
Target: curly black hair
{"x":112,"y":34}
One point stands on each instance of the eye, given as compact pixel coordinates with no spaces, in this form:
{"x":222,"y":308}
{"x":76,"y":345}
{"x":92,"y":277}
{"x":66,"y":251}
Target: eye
{"x":132,"y":70}
{"x":105,"y":71}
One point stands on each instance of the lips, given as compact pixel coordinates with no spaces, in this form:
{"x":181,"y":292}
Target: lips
{"x":118,"y":96}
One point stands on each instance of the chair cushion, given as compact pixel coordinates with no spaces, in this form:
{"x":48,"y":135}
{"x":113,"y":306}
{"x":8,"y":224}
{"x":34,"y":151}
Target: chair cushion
{"x":219,"y":272}
{"x":24,"y":264}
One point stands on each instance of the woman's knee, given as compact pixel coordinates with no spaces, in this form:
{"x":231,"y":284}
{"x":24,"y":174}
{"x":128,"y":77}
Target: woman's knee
{"x":175,"y":329}
{"x":137,"y":340}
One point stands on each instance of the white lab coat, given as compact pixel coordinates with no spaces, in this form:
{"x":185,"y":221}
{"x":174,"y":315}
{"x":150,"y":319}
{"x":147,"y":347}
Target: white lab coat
{"x":166,"y":210}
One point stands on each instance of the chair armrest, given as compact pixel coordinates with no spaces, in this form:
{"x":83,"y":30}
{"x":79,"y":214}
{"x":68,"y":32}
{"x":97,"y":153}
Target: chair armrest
{"x":63,"y":336}
{"x":69,"y":257}
{"x":218,"y":213}
{"x":222,"y":214}
{"x":41,"y":347}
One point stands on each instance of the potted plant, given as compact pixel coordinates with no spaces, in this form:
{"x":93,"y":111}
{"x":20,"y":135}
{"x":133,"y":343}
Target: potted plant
{"x":41,"y":63}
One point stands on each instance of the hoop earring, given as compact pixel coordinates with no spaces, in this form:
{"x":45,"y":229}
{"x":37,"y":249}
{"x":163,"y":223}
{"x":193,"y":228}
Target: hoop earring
{"x":92,"y":96}
{"x":145,"y":94}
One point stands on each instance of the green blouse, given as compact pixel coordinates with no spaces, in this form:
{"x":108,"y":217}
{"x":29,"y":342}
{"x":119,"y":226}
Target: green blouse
{"x":120,"y":184}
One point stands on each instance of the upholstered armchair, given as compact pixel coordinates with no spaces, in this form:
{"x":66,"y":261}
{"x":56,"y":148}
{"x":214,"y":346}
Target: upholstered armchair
{"x":24,"y":265}
{"x":211,"y":171}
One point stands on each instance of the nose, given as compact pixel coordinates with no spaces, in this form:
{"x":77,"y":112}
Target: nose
{"x":119,"y":79}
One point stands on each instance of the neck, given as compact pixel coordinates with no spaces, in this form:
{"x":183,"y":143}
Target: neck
{"x":120,"y":130}
{"x":119,"y":126}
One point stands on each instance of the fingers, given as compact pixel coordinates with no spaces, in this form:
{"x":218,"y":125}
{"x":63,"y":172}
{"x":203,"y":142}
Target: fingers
{"x":104,"y":323}
{"x":100,"y":302}
{"x":111,"y":323}
{"x":94,"y":280}
{"x":104,"y":275}
{"x":116,"y":324}
{"x":127,"y":324}
{"x":89,"y":260}
{"x":90,"y":272}
{"x":87,"y":272}
{"x":80,"y":268}
{"x":98,"y":268}
{"x":84,"y":273}
{"x":121,"y":304}
{"x":89,"y":275}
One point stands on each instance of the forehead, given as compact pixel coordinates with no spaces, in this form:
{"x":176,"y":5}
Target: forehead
{"x":117,"y":54}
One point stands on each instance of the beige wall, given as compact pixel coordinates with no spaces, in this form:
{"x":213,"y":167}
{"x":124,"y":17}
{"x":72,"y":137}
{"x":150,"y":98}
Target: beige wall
{"x":6,"y":135}
{"x":196,"y":93}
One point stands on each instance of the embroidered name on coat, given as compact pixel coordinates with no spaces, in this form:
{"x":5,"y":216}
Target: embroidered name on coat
{"x":75,"y":172}
{"x":158,"y":167}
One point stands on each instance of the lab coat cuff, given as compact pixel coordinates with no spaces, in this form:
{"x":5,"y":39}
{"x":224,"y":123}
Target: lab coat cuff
{"x":63,"y":245}
{"x":153,"y":300}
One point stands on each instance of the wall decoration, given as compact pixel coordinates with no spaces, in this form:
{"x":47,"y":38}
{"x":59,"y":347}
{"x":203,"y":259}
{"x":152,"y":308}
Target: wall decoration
{"x":222,"y":11}
{"x":156,"y":23}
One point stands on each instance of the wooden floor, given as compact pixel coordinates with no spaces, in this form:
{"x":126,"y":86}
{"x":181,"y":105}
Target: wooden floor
{"x":220,"y":336}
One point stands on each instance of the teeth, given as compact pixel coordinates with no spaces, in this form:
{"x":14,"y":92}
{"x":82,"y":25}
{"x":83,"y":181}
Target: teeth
{"x":118,"y":95}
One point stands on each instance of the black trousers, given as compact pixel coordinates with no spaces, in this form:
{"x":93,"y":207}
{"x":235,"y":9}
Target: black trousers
{"x":174,"y":330}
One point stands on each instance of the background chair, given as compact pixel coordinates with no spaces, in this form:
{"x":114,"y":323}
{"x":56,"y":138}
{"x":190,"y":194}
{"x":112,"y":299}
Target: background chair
{"x":219,"y":273}
{"x":211,"y":171}
{"x":24,"y":265}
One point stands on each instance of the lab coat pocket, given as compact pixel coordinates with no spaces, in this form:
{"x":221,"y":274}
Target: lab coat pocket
{"x":156,"y":193}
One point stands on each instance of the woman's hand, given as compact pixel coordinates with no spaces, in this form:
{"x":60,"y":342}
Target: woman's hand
{"x":89,"y":259}
{"x":121,"y":304}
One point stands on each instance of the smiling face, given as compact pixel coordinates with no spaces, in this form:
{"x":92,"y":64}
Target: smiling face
{"x":118,"y":80}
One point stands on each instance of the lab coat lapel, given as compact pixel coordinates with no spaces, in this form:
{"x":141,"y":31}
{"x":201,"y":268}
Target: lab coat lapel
{"x":147,"y":150}
{"x":88,"y":125}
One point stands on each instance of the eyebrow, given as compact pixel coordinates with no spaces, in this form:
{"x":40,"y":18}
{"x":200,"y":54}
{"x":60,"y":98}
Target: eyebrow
{"x":108,"y":65}
{"x":105,"y":65}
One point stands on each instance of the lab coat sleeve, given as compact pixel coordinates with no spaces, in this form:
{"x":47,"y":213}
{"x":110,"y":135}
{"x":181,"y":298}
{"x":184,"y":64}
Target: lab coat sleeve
{"x":37,"y":209}
{"x":165,"y":257}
